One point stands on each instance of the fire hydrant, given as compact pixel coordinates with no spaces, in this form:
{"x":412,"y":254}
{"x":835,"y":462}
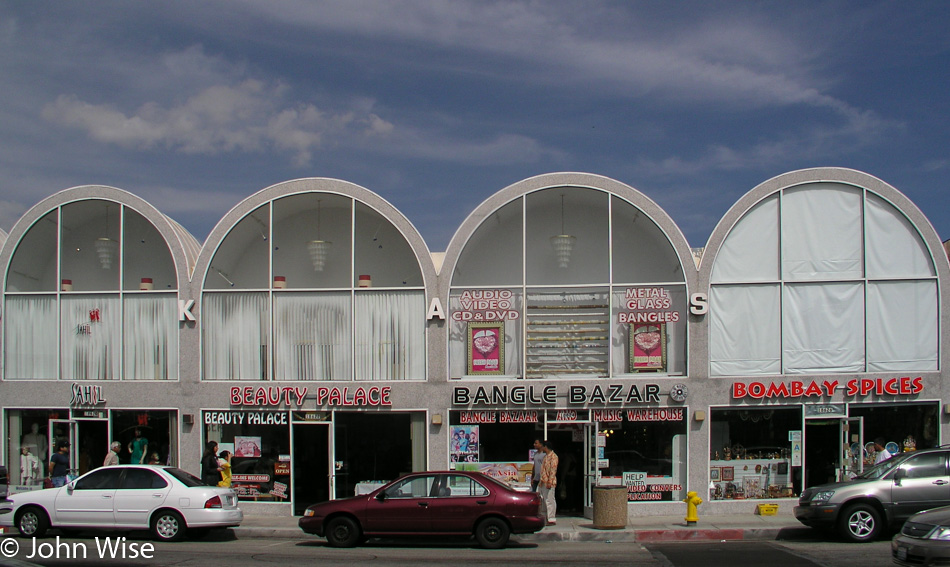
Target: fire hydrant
{"x":692,"y":501}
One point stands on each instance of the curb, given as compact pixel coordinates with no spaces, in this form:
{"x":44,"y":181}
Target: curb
{"x":629,"y":535}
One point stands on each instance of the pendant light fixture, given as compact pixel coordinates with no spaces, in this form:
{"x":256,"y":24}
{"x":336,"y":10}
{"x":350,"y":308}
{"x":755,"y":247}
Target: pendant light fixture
{"x":318,"y":248}
{"x":563,"y":243}
{"x":106,"y":248}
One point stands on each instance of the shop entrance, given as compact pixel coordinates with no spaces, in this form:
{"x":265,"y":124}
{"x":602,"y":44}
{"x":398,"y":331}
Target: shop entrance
{"x":93,"y":443}
{"x":64,"y":430}
{"x":568,"y":443}
{"x":834,"y":450}
{"x":311,"y":465}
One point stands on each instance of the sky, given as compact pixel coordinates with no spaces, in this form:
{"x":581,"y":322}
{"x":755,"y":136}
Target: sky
{"x":436,"y":105}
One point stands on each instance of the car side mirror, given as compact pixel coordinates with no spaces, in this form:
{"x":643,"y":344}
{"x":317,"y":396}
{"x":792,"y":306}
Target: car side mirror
{"x":381,"y":496}
{"x":70,"y":486}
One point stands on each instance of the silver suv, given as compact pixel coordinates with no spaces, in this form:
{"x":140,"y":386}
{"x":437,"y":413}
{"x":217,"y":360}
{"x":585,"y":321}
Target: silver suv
{"x":884,"y":495}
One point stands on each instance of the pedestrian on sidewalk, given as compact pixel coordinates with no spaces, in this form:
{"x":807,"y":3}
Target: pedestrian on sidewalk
{"x":537,"y":459}
{"x":548,"y":484}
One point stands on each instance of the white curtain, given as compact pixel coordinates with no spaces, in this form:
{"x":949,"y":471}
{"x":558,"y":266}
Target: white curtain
{"x":894,"y":248}
{"x":822,"y":233}
{"x":823,"y":328}
{"x":745,"y":330}
{"x":31,"y":335}
{"x":902,"y":326}
{"x":151,"y":337}
{"x":750,"y":252}
{"x":390,"y":335}
{"x":313,"y":336}
{"x":91,"y":337}
{"x":236,"y":336}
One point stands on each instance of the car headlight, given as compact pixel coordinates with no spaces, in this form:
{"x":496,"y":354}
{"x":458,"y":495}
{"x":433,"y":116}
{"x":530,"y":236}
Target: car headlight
{"x":941,"y":533}
{"x":823,"y":496}
{"x":307,"y":513}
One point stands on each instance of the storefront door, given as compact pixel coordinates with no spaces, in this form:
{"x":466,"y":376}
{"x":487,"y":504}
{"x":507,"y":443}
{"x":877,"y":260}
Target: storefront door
{"x":569,"y":445}
{"x":312,"y":474}
{"x":92,"y":445}
{"x":65,"y":430}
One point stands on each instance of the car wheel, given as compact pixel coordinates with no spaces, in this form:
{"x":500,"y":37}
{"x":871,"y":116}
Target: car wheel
{"x":168,"y":525}
{"x":492,"y":533}
{"x":32,"y":521}
{"x":860,"y":523}
{"x":343,"y":532}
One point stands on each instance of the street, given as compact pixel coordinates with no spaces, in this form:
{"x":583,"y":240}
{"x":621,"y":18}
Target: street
{"x":138,"y":549}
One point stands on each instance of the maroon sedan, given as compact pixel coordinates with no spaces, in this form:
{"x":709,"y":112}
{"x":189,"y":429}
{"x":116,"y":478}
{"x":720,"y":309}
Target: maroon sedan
{"x":429,"y":503}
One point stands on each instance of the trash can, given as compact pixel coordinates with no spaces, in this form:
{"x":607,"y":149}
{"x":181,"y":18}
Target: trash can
{"x":610,"y":507}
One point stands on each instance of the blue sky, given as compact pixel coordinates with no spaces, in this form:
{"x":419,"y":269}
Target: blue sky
{"x":436,"y":105}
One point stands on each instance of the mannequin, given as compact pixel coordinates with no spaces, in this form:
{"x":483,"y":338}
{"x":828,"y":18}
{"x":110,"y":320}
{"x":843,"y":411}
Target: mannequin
{"x":36,"y":441}
{"x":29,"y":466}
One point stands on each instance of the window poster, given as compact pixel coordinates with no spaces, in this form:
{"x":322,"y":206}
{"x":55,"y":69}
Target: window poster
{"x":486,"y":347}
{"x":247,"y":446}
{"x":647,"y":347}
{"x":464,"y":444}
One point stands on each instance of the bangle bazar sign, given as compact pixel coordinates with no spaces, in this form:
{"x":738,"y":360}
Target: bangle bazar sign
{"x":904,"y":386}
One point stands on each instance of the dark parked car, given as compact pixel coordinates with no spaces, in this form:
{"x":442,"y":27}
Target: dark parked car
{"x":884,"y":495}
{"x":924,"y":539}
{"x":456,"y":503}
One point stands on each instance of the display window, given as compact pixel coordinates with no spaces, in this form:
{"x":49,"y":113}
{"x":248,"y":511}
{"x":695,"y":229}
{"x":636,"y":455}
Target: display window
{"x":755,"y":453}
{"x":259,"y":444}
{"x":644,"y":450}
{"x":32,"y":434}
{"x":904,"y":427}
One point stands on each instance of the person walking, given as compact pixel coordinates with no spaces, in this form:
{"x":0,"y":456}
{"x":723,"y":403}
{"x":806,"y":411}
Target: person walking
{"x":538,"y":458}
{"x":548,"y":484}
{"x":59,"y":464}
{"x":210,"y":470}
{"x":112,"y":458}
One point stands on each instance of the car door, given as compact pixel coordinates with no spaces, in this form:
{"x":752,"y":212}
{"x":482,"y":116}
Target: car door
{"x":924,"y":483}
{"x":461,"y":500}
{"x":88,"y":501}
{"x":403,"y":508}
{"x":141,"y":492}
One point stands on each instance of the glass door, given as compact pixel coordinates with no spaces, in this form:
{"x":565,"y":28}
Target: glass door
{"x":65,"y":430}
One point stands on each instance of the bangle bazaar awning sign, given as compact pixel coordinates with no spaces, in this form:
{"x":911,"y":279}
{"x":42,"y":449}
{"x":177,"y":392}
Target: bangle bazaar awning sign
{"x":904,"y":386}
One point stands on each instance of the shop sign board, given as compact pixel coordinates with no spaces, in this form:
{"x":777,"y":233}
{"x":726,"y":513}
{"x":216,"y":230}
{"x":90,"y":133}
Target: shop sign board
{"x":567,"y":416}
{"x":903,"y":386}
{"x":795,"y":437}
{"x":293,"y":395}
{"x":311,"y":416}
{"x":606,"y":394}
{"x":486,"y":305}
{"x":245,"y":417}
{"x":86,"y":395}
{"x":504,"y":416}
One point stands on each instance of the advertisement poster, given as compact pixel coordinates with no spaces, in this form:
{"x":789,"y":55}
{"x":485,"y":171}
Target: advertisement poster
{"x":247,"y":446}
{"x":517,"y":475}
{"x":464,"y":444}
{"x":647,"y":347}
{"x":486,"y":347}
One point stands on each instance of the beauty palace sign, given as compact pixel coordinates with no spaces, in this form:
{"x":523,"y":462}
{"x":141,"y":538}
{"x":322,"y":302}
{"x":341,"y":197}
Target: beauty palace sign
{"x":904,"y":386}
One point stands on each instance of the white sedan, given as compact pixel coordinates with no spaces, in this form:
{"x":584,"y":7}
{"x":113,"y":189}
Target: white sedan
{"x":166,"y":500}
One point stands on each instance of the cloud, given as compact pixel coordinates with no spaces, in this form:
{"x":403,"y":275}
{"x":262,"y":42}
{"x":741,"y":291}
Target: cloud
{"x":249,"y":116}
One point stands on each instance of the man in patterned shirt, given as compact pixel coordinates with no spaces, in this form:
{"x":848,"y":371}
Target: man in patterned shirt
{"x":549,"y":483}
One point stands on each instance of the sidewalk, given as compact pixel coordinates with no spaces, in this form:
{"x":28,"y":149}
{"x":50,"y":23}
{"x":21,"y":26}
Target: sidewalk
{"x":640,"y":529}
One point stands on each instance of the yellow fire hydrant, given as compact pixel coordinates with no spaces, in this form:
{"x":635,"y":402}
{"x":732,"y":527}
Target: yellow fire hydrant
{"x":692,"y":501}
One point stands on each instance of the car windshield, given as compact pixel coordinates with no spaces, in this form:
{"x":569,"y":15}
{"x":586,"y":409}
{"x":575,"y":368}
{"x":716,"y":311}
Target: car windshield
{"x":884,"y":467}
{"x":184,"y":477}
